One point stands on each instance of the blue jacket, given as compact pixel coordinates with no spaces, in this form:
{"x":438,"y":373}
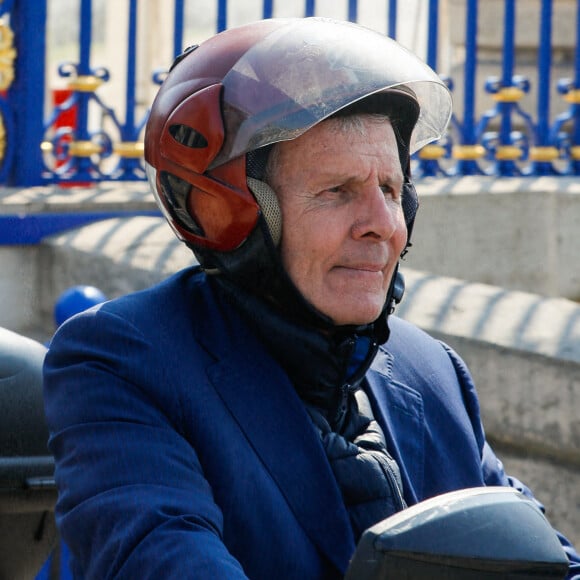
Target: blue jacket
{"x":183,"y":451}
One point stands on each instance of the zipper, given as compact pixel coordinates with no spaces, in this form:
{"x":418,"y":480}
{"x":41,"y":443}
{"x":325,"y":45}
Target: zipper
{"x":342,"y":406}
{"x":394,"y":485}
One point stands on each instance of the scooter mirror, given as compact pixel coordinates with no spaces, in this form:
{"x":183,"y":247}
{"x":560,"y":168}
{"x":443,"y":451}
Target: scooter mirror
{"x":479,"y":533}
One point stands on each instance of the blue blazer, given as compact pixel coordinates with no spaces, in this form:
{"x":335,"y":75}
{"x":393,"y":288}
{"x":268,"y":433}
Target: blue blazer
{"x":183,"y":451}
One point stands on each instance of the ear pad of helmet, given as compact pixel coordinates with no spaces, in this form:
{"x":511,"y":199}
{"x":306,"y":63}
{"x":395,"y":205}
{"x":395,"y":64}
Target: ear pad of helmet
{"x":268,"y":203}
{"x":410,"y":204}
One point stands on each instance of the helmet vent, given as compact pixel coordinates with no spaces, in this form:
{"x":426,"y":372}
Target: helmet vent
{"x":176,"y":192}
{"x":188,"y":136}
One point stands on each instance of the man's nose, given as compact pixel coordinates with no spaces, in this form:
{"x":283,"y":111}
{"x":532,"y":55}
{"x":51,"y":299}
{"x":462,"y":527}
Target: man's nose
{"x":377,"y":216}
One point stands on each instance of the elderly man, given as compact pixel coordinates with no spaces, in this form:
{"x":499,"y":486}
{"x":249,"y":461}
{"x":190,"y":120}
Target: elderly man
{"x":251,"y":417}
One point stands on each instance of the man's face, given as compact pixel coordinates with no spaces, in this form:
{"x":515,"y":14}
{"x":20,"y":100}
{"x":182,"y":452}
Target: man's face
{"x":339,"y":189}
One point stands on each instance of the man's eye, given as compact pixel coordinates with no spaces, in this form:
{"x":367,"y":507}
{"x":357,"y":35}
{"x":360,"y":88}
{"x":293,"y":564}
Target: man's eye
{"x":390,"y":191}
{"x":338,"y":191}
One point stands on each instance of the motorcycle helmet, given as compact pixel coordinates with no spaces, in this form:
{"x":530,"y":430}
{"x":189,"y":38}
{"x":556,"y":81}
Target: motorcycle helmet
{"x":225,"y":103}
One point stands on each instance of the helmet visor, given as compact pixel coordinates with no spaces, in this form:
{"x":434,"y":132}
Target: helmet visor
{"x":310,"y":68}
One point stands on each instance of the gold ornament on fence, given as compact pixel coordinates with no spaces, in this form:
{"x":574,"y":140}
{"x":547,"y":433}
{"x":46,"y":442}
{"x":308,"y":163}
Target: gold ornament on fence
{"x":7,"y":55}
{"x":2,"y":139}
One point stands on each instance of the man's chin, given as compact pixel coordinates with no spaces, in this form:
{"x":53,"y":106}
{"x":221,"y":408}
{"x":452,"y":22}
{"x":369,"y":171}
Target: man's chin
{"x":357,"y":316}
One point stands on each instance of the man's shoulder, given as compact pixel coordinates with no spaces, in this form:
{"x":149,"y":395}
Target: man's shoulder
{"x":405,"y":335}
{"x":166,"y":308}
{"x":185,"y":305}
{"x":171,"y":295}
{"x":415,"y":354}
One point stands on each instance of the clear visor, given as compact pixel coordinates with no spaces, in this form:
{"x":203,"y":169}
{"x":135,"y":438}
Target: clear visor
{"x":310,"y":68}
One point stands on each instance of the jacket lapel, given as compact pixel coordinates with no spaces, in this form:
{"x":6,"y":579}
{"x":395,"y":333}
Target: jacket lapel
{"x":262,"y":400}
{"x":399,"y":409}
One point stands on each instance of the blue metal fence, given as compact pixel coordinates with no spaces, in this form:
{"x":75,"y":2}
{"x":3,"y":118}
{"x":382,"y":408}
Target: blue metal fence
{"x":505,"y":139}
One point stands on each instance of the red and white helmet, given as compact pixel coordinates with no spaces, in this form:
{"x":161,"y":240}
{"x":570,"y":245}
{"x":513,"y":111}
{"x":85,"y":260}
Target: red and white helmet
{"x":252,"y":86}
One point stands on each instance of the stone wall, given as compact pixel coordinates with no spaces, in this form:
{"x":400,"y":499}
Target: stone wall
{"x":515,"y":233}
